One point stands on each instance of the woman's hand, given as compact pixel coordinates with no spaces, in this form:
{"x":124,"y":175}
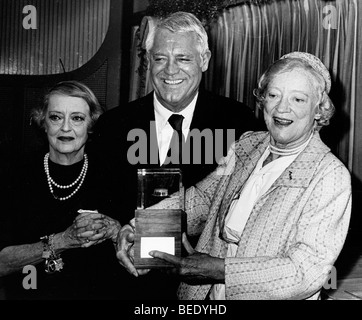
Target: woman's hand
{"x":197,"y":267}
{"x":90,"y":228}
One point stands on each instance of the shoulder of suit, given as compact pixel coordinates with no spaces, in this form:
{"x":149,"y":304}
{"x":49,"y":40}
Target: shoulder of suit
{"x":250,"y":139}
{"x":207,"y":95}
{"x":127,"y":110}
{"x":227,"y":109}
{"x":317,"y":146}
{"x":253,"y":136}
{"x":111,"y":114}
{"x":143,"y":101}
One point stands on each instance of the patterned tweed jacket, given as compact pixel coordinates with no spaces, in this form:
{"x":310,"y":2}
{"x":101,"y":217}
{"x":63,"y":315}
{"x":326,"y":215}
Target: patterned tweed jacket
{"x":294,"y":233}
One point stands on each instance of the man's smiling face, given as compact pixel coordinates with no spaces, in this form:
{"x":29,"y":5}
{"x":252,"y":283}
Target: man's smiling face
{"x":176,"y":67}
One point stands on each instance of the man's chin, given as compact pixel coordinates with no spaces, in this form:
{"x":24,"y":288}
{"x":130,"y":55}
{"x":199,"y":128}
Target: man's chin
{"x":174,"y":105}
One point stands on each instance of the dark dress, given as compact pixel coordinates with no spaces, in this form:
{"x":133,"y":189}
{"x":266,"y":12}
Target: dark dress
{"x":31,"y":212}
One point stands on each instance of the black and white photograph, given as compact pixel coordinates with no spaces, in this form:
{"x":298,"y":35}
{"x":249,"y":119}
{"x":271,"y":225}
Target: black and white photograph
{"x":174,"y":155}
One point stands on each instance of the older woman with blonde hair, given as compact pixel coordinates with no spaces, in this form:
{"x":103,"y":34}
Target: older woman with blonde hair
{"x":273,"y":218}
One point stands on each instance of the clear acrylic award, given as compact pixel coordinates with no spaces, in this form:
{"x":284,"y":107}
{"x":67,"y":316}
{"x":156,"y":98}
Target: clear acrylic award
{"x":159,"y":218}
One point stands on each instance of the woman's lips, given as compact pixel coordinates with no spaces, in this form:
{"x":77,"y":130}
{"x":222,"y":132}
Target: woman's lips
{"x":282,"y":122}
{"x":65,"y":139}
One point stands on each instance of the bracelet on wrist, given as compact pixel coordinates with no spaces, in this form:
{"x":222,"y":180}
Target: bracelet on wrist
{"x":53,"y":262}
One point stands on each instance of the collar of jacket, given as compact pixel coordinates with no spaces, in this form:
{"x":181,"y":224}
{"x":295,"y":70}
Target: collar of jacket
{"x":248,"y":151}
{"x":302,"y":168}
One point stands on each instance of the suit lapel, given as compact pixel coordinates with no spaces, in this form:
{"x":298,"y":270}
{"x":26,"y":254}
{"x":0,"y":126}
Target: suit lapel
{"x":145,"y":120}
{"x":200,"y":120}
{"x":147,"y":113}
{"x":152,"y":136}
{"x":298,"y":174}
{"x":302,"y":170}
{"x":250,"y":150}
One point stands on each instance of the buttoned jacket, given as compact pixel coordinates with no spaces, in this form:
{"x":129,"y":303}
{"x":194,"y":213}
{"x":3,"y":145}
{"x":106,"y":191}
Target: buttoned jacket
{"x":294,"y":233}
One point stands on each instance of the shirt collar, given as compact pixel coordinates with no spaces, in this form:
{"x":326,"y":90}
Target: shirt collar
{"x":162,"y":114}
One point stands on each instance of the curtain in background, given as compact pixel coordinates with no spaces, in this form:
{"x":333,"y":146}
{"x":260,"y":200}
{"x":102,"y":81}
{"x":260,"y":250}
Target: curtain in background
{"x":247,"y":38}
{"x":68,"y":34}
{"x":140,"y":83}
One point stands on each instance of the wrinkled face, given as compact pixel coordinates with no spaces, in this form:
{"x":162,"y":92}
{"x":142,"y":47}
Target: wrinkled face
{"x":176,"y":67}
{"x":66,"y":124}
{"x":290,"y":108}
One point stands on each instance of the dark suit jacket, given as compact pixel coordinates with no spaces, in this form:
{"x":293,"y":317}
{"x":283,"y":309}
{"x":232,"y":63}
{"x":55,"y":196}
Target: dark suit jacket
{"x":111,"y":146}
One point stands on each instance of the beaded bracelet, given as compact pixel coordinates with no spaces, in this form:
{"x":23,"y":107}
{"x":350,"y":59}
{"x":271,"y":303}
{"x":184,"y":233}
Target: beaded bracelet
{"x":53,"y":262}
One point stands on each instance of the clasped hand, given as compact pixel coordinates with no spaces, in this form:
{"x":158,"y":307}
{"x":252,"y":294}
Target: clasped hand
{"x":90,"y":228}
{"x":195,"y":267}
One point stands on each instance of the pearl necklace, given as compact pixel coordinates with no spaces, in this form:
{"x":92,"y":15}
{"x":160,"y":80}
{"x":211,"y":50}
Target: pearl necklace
{"x":51,"y":182}
{"x":288,"y":152}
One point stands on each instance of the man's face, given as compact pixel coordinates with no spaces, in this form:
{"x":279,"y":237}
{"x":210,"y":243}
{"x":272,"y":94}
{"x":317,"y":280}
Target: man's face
{"x":176,"y":67}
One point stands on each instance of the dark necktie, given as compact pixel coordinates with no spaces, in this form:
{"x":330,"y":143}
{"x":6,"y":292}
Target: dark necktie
{"x":177,"y":138}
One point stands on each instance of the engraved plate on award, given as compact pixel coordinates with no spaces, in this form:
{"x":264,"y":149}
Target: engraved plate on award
{"x":159,"y":225}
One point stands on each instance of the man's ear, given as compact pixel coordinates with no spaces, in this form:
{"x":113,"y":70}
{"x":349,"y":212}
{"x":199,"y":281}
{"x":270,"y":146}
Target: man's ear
{"x":205,"y":58}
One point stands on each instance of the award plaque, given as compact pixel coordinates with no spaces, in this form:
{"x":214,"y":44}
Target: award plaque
{"x":159,"y":226}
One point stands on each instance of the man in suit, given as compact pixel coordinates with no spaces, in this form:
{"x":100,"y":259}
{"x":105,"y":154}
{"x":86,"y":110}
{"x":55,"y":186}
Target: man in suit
{"x":178,"y":54}
{"x":139,"y":135}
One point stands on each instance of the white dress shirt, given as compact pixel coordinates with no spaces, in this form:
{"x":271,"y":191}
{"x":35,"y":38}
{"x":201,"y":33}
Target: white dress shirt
{"x":163,"y":128}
